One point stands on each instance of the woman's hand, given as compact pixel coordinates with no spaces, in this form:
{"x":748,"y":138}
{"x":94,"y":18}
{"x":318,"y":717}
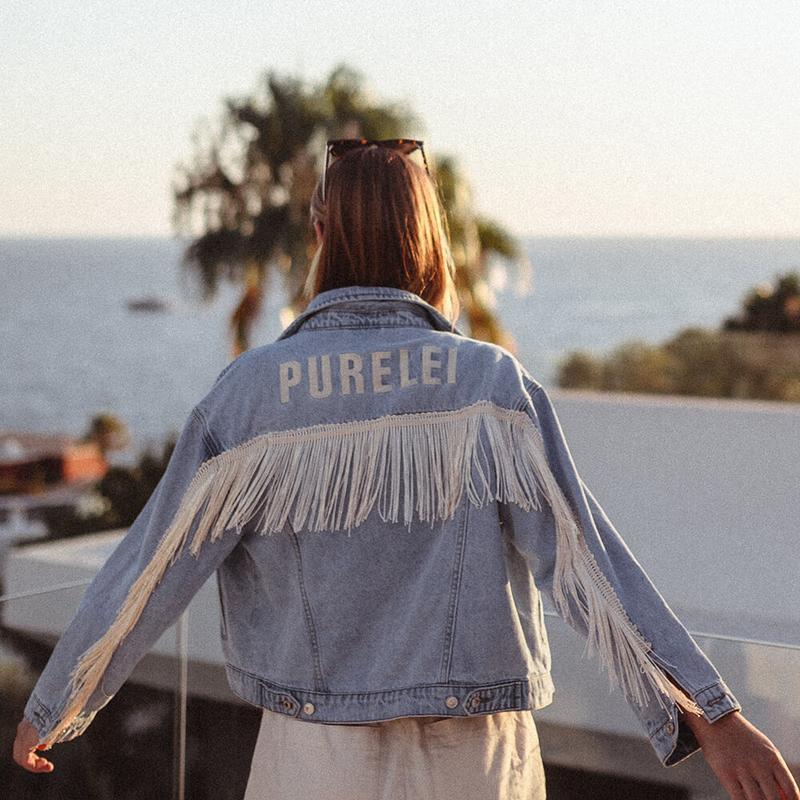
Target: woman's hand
{"x":25,"y":746}
{"x":745,"y":761}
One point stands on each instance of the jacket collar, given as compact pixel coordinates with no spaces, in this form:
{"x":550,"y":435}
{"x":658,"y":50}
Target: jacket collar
{"x":344,"y":294}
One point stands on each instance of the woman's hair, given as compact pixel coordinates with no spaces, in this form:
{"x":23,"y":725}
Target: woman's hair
{"x":383,"y":225}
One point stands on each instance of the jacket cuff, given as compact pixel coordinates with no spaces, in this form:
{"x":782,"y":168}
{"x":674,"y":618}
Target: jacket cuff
{"x":44,"y":718}
{"x":674,"y":741}
{"x":37,"y":713}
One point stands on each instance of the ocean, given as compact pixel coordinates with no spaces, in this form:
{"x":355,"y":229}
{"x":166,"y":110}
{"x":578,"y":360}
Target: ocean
{"x":71,"y":348}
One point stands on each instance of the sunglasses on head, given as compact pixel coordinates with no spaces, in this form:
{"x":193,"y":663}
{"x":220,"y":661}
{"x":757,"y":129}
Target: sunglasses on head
{"x":336,"y":148}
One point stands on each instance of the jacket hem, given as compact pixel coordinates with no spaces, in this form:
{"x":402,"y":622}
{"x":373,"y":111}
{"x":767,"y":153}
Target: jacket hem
{"x":453,"y":699}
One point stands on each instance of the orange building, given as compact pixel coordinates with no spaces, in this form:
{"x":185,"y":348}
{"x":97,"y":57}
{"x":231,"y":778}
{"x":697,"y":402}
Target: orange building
{"x":35,"y":462}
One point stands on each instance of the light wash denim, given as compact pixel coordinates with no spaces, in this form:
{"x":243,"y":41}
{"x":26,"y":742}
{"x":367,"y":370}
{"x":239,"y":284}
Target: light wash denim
{"x":364,"y":489}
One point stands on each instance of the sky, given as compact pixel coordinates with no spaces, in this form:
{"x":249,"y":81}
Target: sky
{"x":568,"y":118}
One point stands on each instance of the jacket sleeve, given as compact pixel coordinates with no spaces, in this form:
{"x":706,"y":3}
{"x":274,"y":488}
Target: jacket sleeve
{"x":589,"y":574}
{"x":138,"y":593}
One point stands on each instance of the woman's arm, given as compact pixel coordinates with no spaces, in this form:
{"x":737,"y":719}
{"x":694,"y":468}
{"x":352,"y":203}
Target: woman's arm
{"x":141,"y":589}
{"x":745,"y":761}
{"x":595,"y":582}
{"x":742,"y":756}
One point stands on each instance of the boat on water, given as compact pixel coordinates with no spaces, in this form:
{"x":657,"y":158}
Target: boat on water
{"x":148,"y":302}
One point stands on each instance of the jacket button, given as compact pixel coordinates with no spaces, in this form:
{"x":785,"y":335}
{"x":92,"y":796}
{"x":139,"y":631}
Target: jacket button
{"x":287,"y":704}
{"x":309,"y":708}
{"x":670,"y":726}
{"x":476,"y":700}
{"x":451,"y":701}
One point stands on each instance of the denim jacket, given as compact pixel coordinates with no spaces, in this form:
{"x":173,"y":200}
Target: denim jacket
{"x":384,"y":500}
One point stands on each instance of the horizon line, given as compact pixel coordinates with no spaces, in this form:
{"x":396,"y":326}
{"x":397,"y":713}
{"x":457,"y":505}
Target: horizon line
{"x":163,"y":236}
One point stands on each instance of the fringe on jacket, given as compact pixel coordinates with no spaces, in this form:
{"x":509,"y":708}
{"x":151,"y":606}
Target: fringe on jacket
{"x":330,"y":476}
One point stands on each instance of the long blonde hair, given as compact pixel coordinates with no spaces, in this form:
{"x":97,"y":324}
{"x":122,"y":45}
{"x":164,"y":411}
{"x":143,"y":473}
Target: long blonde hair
{"x":383,"y":225}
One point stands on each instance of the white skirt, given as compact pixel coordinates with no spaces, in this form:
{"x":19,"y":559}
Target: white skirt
{"x":482,"y":757}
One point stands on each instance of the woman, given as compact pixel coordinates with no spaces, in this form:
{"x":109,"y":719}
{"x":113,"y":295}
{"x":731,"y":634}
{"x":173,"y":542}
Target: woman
{"x":384,"y":500}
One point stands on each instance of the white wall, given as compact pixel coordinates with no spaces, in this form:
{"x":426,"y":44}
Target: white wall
{"x":707,"y":495}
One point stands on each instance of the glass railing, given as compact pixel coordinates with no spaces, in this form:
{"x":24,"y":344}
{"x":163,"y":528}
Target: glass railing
{"x":134,"y":747}
{"x":591,"y":729}
{"x":175,"y":730}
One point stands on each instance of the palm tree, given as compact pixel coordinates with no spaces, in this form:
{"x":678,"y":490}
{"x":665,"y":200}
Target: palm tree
{"x":108,"y":432}
{"x":475,"y":240}
{"x":249,"y":187}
